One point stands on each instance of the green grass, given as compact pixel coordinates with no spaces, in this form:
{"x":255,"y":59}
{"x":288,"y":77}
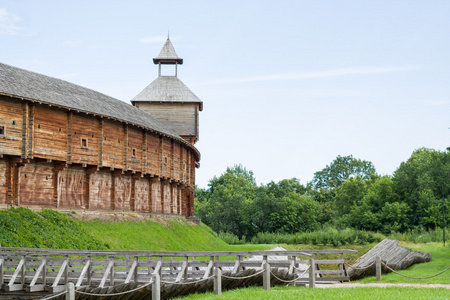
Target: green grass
{"x":21,"y":227}
{"x":172,"y":235}
{"x":440,"y":260}
{"x":277,"y":293}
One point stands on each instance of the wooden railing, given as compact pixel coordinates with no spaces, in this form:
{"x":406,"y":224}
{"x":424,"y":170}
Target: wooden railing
{"x":32,"y":270}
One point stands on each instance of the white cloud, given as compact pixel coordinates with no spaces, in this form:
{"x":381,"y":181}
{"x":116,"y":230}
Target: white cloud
{"x":317,"y":74}
{"x":153,"y":39}
{"x":8,"y":22}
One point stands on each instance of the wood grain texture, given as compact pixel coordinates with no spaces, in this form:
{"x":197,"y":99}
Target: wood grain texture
{"x":53,"y":157}
{"x":134,"y":151}
{"x":100,"y":190}
{"x":180,"y":117}
{"x":71,"y":184}
{"x":122,"y":192}
{"x":84,"y":127}
{"x":141,"y":197}
{"x":35,"y":187}
{"x":11,"y":121}
{"x":50,"y":133}
{"x":113,"y":139}
{"x":3,"y":182}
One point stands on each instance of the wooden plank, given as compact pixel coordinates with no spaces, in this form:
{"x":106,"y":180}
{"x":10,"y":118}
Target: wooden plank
{"x":2,"y":270}
{"x":83,"y":274}
{"x":17,"y":271}
{"x":107,"y":273}
{"x":60,"y":273}
{"x":132,"y":272}
{"x":38,"y":272}
{"x":209,"y":269}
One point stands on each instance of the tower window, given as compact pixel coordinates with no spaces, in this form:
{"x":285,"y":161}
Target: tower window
{"x":14,"y":122}
{"x":84,"y":143}
{"x":2,"y":131}
{"x":134,"y":152}
{"x":166,"y":160}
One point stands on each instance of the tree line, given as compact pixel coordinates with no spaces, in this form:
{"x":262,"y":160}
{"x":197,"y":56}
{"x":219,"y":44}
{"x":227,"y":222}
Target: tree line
{"x":347,"y":193}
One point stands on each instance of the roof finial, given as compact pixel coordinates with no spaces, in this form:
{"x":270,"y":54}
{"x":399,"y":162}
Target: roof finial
{"x":168,"y":33}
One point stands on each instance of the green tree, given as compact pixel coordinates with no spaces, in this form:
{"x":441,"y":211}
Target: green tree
{"x":340,"y":169}
{"x":226,"y":205}
{"x":420,"y":182}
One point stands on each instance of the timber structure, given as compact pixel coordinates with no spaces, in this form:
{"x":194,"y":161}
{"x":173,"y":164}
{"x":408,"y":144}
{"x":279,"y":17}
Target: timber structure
{"x":40,"y":272}
{"x":66,"y":146}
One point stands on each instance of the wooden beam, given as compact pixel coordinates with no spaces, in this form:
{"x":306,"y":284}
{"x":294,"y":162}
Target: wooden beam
{"x":100,"y":142}
{"x":83,"y":274}
{"x":69,"y":137}
{"x":131,"y":272}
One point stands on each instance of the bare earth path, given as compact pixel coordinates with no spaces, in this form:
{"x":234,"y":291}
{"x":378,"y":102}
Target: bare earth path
{"x":350,"y":285}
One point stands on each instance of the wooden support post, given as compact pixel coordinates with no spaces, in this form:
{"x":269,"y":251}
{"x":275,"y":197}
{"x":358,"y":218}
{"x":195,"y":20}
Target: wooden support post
{"x":70,"y":289}
{"x":312,"y":274}
{"x":378,"y":267}
{"x":156,"y":286}
{"x":218,"y":282}
{"x":266,"y":277}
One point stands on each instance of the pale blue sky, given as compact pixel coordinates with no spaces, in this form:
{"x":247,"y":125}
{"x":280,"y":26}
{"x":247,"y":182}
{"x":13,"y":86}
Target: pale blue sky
{"x":286,"y":85}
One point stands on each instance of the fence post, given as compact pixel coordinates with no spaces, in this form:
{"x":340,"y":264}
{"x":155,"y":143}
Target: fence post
{"x":156,"y":287}
{"x":378,"y":267}
{"x":70,"y":291}
{"x":312,"y":273}
{"x":218,"y":282}
{"x":266,"y":277}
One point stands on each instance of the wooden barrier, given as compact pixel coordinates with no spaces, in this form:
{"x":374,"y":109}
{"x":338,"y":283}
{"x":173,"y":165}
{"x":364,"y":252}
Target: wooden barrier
{"x":51,"y":271}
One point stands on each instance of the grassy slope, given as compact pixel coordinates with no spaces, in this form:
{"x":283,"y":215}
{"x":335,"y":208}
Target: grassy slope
{"x":344,"y":293}
{"x":173,"y":235}
{"x":440,"y":260}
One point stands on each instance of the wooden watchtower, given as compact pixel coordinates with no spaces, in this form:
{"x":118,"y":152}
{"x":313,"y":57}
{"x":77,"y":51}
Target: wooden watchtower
{"x":169,"y":100}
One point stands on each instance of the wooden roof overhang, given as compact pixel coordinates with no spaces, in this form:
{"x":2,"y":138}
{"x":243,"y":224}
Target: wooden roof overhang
{"x":166,"y":61}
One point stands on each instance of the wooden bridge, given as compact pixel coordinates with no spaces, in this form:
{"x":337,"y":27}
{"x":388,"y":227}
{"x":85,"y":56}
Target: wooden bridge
{"x":40,"y":272}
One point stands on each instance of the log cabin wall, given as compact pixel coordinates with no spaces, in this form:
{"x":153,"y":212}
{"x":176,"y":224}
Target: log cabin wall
{"x":152,"y":159}
{"x":36,"y":185}
{"x":135,"y":149}
{"x":71,"y":186}
{"x":142,"y":195}
{"x":3,"y":182}
{"x":11,"y":126}
{"x":50,"y":133}
{"x":156,"y":195}
{"x":166,"y":159}
{"x":84,"y":144}
{"x":54,"y":157}
{"x":122,"y":192}
{"x":183,"y":117}
{"x":112,"y":144}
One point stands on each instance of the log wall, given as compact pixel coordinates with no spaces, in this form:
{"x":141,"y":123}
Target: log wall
{"x":54,"y":157}
{"x":11,"y":126}
{"x":3,"y":182}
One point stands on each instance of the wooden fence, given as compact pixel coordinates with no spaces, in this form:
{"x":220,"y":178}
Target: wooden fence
{"x":50,"y":270}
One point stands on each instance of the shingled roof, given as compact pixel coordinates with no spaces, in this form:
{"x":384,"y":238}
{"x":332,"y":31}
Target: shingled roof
{"x":32,"y":86}
{"x":167,"y":89}
{"x":168,"y":55}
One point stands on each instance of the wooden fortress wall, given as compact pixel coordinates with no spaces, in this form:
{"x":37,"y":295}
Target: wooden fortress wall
{"x":53,"y":157}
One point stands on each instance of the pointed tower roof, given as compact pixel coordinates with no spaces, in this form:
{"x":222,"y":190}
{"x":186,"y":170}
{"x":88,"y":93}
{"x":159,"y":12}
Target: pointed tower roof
{"x":167,"y":89}
{"x":168,"y":55}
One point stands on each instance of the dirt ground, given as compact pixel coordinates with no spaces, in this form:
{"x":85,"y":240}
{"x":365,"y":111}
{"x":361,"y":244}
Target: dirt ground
{"x":350,"y":285}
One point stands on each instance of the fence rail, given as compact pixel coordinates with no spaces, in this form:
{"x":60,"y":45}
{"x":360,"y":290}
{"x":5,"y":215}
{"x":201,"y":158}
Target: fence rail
{"x":38,"y":270}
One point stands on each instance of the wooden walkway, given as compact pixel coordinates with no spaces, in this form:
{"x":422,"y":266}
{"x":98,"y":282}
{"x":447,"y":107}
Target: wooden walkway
{"x":49,"y":270}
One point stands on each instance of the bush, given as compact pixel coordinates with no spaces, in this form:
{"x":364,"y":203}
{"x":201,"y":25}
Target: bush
{"x":328,"y":236}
